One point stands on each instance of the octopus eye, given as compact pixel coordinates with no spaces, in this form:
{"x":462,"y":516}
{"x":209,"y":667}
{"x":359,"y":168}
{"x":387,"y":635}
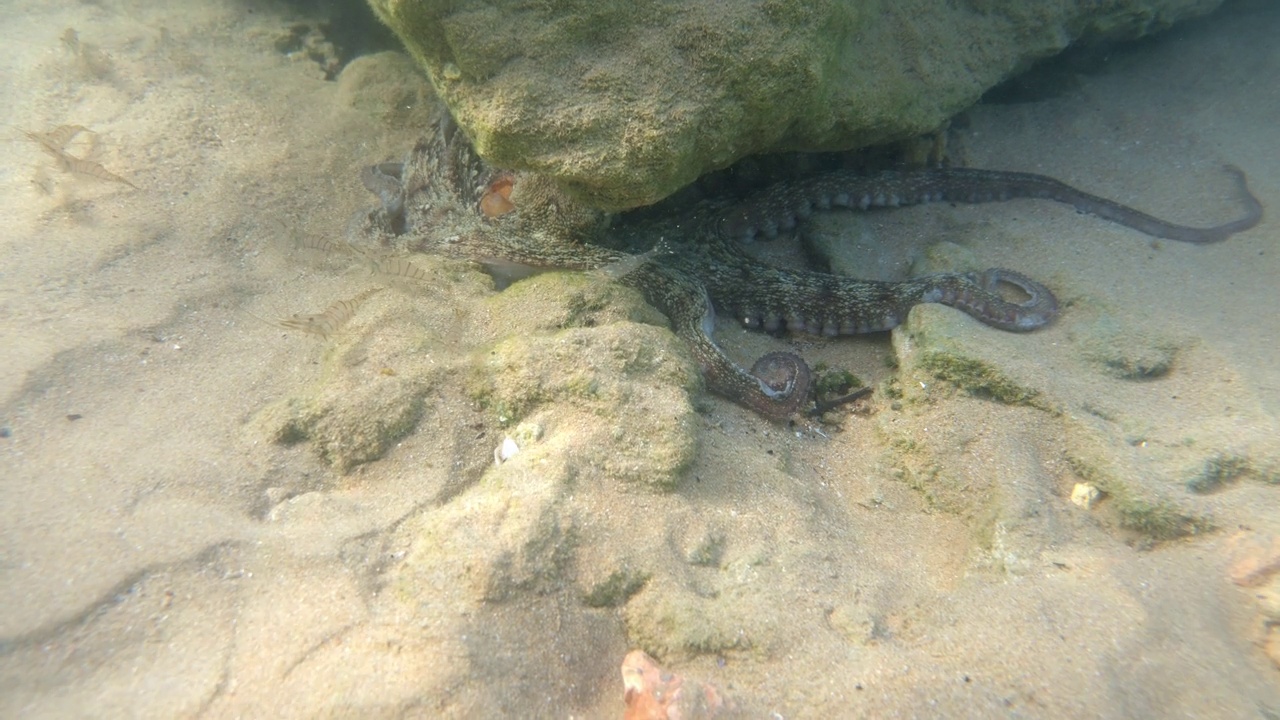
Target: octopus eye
{"x":497,"y":199}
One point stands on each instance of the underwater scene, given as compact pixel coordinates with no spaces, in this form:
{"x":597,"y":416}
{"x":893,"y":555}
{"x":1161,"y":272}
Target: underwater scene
{"x":656,"y":361}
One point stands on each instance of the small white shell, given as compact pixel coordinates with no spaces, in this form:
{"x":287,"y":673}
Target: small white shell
{"x":505,"y":451}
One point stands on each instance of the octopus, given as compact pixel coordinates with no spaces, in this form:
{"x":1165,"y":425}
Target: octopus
{"x":692,"y":266}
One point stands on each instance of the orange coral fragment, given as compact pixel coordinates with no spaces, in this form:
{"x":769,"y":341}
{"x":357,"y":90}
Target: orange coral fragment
{"x":497,"y":199}
{"x":1255,"y":558}
{"x":651,"y":693}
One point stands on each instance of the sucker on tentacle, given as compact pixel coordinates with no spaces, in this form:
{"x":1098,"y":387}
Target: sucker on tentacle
{"x":692,"y":265}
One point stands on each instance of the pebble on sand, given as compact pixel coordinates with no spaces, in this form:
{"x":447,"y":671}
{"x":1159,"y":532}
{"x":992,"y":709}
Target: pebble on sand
{"x":1085,"y":495}
{"x":651,"y":693}
{"x":1254,"y":558}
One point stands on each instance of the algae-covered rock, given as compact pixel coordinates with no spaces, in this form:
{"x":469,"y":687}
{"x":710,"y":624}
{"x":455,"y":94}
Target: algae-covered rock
{"x":622,"y":386}
{"x":671,"y":621}
{"x":509,"y":535}
{"x":633,"y":380}
{"x":1138,"y":502}
{"x":369,"y":394}
{"x":939,"y":343}
{"x":942,"y":344}
{"x":349,"y":427}
{"x":388,"y":87}
{"x":1124,"y":351}
{"x":622,"y":103}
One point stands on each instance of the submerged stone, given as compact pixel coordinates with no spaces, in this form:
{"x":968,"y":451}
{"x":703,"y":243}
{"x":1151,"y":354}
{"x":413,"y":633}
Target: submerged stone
{"x":1122,"y":350}
{"x":623,"y":103}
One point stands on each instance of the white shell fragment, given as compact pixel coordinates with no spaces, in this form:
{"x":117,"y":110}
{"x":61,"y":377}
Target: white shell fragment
{"x":505,"y":451}
{"x":1085,"y":495}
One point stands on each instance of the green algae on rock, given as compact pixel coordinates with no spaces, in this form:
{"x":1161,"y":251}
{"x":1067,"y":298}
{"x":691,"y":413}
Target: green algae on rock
{"x":1136,"y":502}
{"x":1143,"y":472}
{"x":388,"y":87}
{"x":580,"y":352}
{"x":351,"y":426}
{"x":671,"y":621}
{"x":975,"y":377}
{"x":938,"y":344}
{"x":370,"y":392}
{"x":1123,"y":350}
{"x":633,"y":379}
{"x":615,"y":589}
{"x":623,"y":103}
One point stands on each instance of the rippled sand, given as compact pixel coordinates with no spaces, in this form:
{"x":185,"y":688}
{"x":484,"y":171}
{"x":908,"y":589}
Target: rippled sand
{"x":162,"y":555}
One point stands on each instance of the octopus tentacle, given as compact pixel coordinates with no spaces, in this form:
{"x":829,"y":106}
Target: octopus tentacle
{"x":779,"y":382}
{"x":691,"y":266}
{"x":979,"y":295}
{"x":779,"y":208}
{"x":828,"y":305}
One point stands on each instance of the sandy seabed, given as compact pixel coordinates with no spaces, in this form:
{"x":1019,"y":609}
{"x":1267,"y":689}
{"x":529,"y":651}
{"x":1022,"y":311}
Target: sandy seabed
{"x":162,"y":556}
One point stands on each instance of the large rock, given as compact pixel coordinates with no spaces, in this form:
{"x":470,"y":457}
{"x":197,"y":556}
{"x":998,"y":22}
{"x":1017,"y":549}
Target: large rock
{"x":624,"y":102}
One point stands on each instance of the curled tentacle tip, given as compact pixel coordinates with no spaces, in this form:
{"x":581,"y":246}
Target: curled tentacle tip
{"x":785,"y":381}
{"x":1036,"y":311}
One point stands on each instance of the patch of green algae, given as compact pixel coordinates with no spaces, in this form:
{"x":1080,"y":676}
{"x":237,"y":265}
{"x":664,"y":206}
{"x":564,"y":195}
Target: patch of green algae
{"x":615,"y":589}
{"x":975,"y":377}
{"x":368,"y":396}
{"x":833,"y":382}
{"x":939,"y":344}
{"x":1142,"y":511}
{"x":670,"y":622}
{"x":1225,"y":467}
{"x":595,"y":354}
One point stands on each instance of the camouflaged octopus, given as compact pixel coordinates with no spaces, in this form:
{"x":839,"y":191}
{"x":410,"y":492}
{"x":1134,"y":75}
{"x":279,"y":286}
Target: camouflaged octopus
{"x":444,"y":199}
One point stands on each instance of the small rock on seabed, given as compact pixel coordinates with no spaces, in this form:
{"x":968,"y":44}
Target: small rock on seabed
{"x":1255,"y":562}
{"x":651,"y":693}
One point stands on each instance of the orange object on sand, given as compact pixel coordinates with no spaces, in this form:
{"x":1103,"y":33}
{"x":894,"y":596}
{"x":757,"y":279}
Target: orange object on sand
{"x":654,"y":694}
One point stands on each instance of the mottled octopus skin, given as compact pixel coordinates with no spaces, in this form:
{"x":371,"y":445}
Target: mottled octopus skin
{"x":781,"y":206}
{"x":692,"y":265}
